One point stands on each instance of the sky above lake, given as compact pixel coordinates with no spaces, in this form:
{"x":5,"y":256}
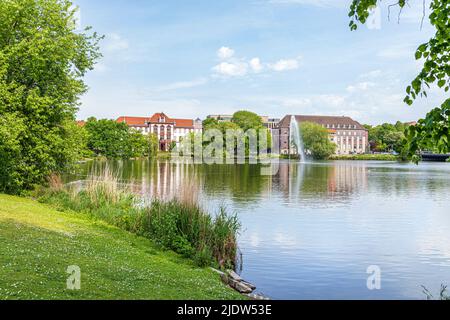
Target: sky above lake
{"x":274,"y":57}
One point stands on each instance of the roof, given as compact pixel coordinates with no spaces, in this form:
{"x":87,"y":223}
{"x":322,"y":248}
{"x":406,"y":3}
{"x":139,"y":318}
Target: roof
{"x":81,"y":123}
{"x":134,"y":121}
{"x":143,"y":121}
{"x":322,"y":120}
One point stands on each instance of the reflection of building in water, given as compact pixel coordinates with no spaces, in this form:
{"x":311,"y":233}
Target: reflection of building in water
{"x":321,"y":182}
{"x":166,"y":180}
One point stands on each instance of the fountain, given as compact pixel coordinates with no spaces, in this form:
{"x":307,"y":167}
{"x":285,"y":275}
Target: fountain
{"x":296,"y":144}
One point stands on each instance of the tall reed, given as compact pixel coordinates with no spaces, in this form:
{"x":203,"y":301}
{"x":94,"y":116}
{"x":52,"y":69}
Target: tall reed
{"x":179,"y":224}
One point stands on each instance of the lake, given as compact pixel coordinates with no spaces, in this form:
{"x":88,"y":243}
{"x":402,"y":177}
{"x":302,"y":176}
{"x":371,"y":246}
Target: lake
{"x":311,"y":230}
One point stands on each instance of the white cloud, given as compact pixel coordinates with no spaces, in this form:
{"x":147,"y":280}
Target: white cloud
{"x":225,"y":53}
{"x":239,"y":66}
{"x":231,"y":69}
{"x":100,"y":67}
{"x":115,"y":42}
{"x":361,"y":86}
{"x":374,"y":74}
{"x":256,"y":65}
{"x":285,"y":65}
{"x":183,"y":85}
{"x":397,"y":52}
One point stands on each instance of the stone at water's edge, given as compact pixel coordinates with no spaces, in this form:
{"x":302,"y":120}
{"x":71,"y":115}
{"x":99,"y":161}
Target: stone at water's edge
{"x":233,"y":275}
{"x":257,"y":297}
{"x":248,"y":284}
{"x":233,"y":280}
{"x":239,"y":286}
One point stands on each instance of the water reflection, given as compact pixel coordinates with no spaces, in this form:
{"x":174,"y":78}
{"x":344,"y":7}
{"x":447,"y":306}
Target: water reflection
{"x":313,"y":184}
{"x":311,"y":230}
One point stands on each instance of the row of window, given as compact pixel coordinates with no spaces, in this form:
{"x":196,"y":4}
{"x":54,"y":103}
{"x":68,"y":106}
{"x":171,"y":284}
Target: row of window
{"x":358,"y":139}
{"x":344,"y":126}
{"x":178,"y":132}
{"x":354,"y":133}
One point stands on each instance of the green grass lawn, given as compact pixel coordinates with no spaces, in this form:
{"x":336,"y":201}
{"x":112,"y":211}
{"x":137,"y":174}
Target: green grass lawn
{"x":38,"y":244}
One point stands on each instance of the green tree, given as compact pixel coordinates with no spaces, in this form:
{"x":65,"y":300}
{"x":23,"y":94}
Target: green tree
{"x":210,"y":123}
{"x":316,"y":140}
{"x":109,"y":138}
{"x":434,"y":130}
{"x":137,"y":145}
{"x":247,"y":120}
{"x":11,"y":129}
{"x":153,"y":145}
{"x":43,"y":60}
{"x":388,"y":137}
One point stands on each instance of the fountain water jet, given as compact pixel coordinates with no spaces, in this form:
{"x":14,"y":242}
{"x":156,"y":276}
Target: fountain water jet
{"x":296,"y":146}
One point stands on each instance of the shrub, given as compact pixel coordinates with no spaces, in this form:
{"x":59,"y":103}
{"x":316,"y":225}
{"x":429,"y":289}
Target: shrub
{"x":179,"y":226}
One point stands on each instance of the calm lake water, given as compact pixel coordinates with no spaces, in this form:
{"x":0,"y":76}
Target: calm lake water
{"x":311,"y":230}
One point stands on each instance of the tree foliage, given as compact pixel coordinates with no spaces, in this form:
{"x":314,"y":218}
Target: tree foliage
{"x":115,"y":140}
{"x":242,"y":122}
{"x":247,"y":120}
{"x":435,"y":54}
{"x":316,"y":140}
{"x":388,"y":137}
{"x":42,"y":63}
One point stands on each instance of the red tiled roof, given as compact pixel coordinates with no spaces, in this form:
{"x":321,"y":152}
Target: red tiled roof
{"x":134,"y":121}
{"x":143,"y":121}
{"x":183,"y":123}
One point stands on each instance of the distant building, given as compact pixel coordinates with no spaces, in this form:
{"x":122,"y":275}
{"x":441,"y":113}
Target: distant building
{"x":272,"y":123}
{"x":349,"y":135}
{"x":221,"y":117}
{"x":269,"y":123}
{"x":167,"y":129}
{"x":81,"y":123}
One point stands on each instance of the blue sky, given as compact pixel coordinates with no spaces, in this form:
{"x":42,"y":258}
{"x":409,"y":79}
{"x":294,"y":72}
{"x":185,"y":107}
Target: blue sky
{"x":274,"y":57}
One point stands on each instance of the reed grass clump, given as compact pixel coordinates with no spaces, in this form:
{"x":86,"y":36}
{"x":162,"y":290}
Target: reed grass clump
{"x":179,"y":224}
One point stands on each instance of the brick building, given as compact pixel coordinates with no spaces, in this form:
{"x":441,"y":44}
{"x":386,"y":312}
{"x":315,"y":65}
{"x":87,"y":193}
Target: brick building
{"x":349,"y":135}
{"x":167,"y":129}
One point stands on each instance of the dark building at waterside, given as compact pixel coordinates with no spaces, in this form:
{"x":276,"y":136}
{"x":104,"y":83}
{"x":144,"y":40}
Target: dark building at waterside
{"x":349,"y":135}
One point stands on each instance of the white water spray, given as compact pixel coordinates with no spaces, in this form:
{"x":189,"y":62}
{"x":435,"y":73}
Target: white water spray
{"x":296,"y":145}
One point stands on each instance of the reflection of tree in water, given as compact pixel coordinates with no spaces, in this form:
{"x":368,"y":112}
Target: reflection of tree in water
{"x":320,"y":181}
{"x":314,"y":183}
{"x":244,"y":182}
{"x":408,"y":180}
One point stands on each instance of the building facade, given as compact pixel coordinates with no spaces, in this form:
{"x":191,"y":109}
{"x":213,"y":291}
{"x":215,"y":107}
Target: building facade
{"x":349,"y":135}
{"x":221,"y":117}
{"x":168,"y":130}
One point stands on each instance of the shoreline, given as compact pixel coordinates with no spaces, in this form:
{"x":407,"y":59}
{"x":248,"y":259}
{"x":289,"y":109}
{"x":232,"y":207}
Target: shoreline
{"x":101,"y":251}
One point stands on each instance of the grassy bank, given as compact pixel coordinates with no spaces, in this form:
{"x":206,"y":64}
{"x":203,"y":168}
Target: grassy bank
{"x":179,"y":224}
{"x":367,"y":157}
{"x":38,"y":243}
